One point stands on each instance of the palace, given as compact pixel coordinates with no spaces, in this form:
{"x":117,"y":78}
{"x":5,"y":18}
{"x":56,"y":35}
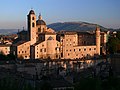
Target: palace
{"x":41,"y":42}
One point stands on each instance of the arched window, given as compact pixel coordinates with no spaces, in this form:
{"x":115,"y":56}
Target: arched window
{"x":33,"y":24}
{"x":33,"y":18}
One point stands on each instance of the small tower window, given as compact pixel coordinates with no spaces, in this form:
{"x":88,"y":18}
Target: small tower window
{"x":33,"y":24}
{"x":33,"y":18}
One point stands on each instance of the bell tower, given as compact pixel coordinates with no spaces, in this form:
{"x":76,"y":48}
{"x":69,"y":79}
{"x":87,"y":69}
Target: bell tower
{"x":32,"y":27}
{"x":98,"y":40}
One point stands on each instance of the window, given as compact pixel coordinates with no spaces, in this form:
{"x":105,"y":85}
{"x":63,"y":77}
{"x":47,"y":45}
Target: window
{"x":90,"y":49}
{"x":74,"y":50}
{"x":38,"y":29}
{"x":79,"y":49}
{"x":33,"y":18}
{"x":68,"y":54}
{"x":40,"y":50}
{"x":94,"y":48}
{"x":56,"y":48}
{"x":33,"y":24}
{"x":42,"y":45}
{"x":56,"y":56}
{"x":85,"y":49}
{"x":45,"y":50}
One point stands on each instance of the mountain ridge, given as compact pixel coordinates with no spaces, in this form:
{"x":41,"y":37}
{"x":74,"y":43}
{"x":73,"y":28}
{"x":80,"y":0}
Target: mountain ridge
{"x":75,"y":26}
{"x":67,"y":26}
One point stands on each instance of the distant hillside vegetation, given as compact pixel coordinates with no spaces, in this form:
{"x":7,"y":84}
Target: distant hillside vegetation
{"x":74,"y":26}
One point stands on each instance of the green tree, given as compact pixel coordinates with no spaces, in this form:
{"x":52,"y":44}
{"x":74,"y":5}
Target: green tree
{"x":112,"y":44}
{"x":11,"y":57}
{"x":2,"y":56}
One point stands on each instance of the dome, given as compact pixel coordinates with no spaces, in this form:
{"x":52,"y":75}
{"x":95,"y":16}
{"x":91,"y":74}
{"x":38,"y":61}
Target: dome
{"x":31,"y":12}
{"x":40,"y":22}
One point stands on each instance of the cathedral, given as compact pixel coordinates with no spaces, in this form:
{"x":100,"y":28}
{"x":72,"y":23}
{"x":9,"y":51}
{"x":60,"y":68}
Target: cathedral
{"x":41,"y":42}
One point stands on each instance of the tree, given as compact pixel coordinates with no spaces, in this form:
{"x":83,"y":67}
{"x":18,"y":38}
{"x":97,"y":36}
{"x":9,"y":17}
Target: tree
{"x":2,"y":56}
{"x":113,"y":44}
{"x":11,"y":57}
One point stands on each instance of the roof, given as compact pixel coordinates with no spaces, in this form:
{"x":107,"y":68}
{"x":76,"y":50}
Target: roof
{"x":31,"y":12}
{"x":85,"y":33}
{"x":37,"y":43}
{"x":19,"y":43}
{"x":50,"y":38}
{"x":47,"y":33}
{"x":40,"y":22}
{"x":5,"y":45}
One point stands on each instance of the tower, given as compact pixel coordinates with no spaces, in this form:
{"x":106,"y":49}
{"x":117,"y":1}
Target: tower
{"x":41,"y":25}
{"x":98,"y":40}
{"x":32,"y":27}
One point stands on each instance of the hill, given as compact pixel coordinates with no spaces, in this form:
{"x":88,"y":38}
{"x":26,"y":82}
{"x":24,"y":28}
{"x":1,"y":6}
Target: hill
{"x":74,"y":26}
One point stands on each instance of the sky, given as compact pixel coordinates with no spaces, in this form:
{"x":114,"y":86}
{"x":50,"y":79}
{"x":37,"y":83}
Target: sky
{"x":13,"y":13}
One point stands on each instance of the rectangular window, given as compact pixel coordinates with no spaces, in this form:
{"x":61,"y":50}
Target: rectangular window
{"x":40,"y":50}
{"x":68,"y":54}
{"x":42,"y":45}
{"x":90,"y":49}
{"x":33,"y":24}
{"x":45,"y":50}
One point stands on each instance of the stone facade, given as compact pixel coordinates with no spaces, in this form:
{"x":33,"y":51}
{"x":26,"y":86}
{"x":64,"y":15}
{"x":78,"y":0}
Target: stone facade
{"x":38,"y":42}
{"x":41,"y":42}
{"x":5,"y":49}
{"x":77,"y":45}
